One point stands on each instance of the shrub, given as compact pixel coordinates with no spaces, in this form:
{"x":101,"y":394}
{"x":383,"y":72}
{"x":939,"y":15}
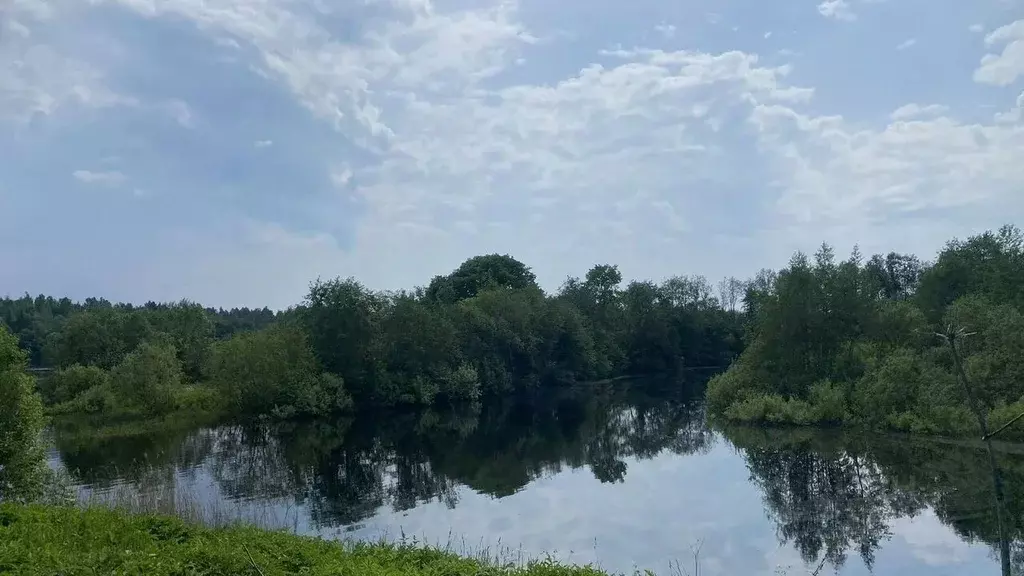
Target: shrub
{"x":770,"y":409}
{"x":828,"y":403}
{"x":273,"y":371}
{"x":69,"y":383}
{"x":1003,"y":414}
{"x":731,"y":386}
{"x":148,"y":378}
{"x":198,"y":398}
{"x":889,"y":386}
{"x":97,"y":400}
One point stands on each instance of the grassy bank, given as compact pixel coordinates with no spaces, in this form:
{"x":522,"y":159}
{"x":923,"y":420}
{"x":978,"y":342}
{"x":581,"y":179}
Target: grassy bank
{"x":54,"y":540}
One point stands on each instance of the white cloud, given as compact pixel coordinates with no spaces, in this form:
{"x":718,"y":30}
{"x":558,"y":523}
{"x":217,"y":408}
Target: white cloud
{"x":1003,"y":69}
{"x":666,"y":30}
{"x":906,"y":43}
{"x":589,"y":152}
{"x":341,"y":177}
{"x":837,"y":9}
{"x":107,"y":178}
{"x":931,"y":541}
{"x":622,"y":160}
{"x":425,"y":49}
{"x":853,"y":181}
{"x":38,"y":79}
{"x":976,"y":28}
{"x":908,"y":111}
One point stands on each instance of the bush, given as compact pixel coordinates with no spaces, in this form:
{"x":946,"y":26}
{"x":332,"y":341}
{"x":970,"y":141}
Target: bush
{"x":889,"y":386}
{"x":770,"y":409}
{"x":733,"y":385}
{"x":198,"y":398}
{"x":69,"y":383}
{"x":97,"y":400}
{"x":828,"y":403}
{"x":148,"y":378}
{"x":22,"y":465}
{"x":1003,"y":414}
{"x":273,"y":371}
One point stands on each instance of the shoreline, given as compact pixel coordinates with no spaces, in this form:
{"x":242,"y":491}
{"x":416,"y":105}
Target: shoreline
{"x":40,"y":539}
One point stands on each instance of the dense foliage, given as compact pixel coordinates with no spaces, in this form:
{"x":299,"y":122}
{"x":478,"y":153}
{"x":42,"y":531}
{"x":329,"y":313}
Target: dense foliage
{"x":486,"y":329}
{"x":869,"y":343}
{"x":274,"y":371}
{"x":57,"y":332}
{"x":21,"y":422}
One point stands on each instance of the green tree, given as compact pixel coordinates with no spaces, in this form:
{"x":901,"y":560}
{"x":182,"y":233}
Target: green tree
{"x":22,"y":466}
{"x":989,"y":264}
{"x":894,"y":277}
{"x":846,"y":341}
{"x":420,"y":347}
{"x":148,"y":378}
{"x":190,"y":328}
{"x":273,"y":371}
{"x":481,"y":273}
{"x":343,"y":320}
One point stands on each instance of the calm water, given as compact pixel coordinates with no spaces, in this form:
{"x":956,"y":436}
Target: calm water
{"x":622,"y":478}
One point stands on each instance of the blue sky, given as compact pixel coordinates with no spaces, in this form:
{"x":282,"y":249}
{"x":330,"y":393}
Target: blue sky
{"x":230,"y":151}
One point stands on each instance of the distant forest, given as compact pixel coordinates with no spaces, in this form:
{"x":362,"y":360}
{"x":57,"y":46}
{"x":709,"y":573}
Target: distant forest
{"x":485,"y":329}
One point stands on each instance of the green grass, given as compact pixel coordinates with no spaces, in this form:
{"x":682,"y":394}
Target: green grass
{"x":70,"y":541}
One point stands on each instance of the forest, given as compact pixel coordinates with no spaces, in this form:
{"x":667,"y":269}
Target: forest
{"x":891,"y":343}
{"x":484,"y":330}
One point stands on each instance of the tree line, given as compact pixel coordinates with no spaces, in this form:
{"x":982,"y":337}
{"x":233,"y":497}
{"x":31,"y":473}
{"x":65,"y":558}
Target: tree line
{"x":821,"y":341}
{"x":484,"y":330}
{"x":867,"y":342}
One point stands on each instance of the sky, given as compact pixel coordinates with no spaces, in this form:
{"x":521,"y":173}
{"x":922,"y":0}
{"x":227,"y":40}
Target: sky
{"x":231,"y":151}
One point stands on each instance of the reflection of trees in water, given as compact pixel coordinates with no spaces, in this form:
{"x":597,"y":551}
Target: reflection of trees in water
{"x":100,"y":456}
{"x":825,"y":503}
{"x":830,"y":494}
{"x":345,"y":471}
{"x":403,"y":460}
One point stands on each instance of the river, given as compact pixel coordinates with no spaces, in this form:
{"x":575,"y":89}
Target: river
{"x":623,"y":476}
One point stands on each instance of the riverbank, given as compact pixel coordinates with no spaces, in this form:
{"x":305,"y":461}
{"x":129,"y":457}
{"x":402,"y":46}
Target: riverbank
{"x":57,"y":540}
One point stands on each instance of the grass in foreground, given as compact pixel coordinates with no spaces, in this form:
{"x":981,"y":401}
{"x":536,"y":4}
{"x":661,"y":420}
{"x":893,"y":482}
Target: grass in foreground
{"x":69,"y":541}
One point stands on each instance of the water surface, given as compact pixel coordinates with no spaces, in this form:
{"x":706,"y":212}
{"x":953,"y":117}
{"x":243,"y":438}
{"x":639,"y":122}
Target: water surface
{"x":624,"y":477}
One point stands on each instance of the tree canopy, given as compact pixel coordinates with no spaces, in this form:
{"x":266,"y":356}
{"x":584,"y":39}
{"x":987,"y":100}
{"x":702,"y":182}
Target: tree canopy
{"x":835,"y":342}
{"x":485,"y":329}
